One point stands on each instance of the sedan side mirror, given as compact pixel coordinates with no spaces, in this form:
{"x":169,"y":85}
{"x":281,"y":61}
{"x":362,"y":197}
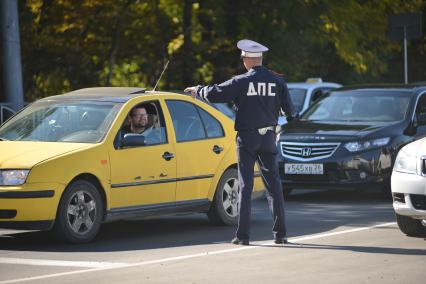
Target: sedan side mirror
{"x":132,"y":140}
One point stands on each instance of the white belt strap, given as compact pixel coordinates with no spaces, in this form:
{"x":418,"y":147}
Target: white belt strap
{"x":262,"y":131}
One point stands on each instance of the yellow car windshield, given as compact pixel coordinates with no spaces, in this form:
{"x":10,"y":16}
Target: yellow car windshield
{"x":54,"y":121}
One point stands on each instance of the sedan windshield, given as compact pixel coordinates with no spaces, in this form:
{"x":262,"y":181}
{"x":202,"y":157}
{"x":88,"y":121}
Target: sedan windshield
{"x":360,"y":106}
{"x":53,"y":121}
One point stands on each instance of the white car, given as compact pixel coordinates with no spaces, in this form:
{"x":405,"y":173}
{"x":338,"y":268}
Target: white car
{"x":409,"y":188}
{"x":303,"y":94}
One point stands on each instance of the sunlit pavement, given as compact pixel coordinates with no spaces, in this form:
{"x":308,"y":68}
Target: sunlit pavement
{"x":336,"y":237}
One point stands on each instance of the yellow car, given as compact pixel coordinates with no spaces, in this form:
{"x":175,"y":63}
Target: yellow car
{"x":71,"y":162}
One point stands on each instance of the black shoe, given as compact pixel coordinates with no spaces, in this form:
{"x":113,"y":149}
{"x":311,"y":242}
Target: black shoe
{"x":237,"y":241}
{"x":281,"y":241}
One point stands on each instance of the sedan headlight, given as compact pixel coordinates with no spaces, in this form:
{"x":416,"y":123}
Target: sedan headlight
{"x":365,"y":145}
{"x":405,"y":163}
{"x":13,"y":177}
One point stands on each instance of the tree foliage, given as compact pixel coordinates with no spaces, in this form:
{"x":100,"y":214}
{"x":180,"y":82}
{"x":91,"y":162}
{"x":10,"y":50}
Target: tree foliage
{"x":70,"y":44}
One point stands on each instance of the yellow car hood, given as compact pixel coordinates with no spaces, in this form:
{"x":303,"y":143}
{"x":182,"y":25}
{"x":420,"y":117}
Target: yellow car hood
{"x":26,"y":154}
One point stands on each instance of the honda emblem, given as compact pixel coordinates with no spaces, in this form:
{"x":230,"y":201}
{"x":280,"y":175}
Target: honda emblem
{"x":306,"y":152}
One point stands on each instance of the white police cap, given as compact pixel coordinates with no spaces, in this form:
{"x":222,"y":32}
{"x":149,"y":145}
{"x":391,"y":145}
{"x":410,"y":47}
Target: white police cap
{"x":251,"y":48}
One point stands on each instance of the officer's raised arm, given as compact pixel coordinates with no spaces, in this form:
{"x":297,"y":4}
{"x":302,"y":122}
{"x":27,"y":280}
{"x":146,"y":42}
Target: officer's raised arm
{"x":219,"y":93}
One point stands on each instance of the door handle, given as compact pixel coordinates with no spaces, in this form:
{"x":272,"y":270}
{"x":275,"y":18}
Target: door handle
{"x":168,"y":156}
{"x":163,"y":175}
{"x":217,"y":149}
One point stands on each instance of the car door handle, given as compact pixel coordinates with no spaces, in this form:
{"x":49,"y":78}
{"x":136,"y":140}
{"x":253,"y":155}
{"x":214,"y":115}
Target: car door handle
{"x":217,"y":149}
{"x":168,"y":156}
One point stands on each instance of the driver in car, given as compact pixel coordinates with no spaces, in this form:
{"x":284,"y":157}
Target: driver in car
{"x":138,"y":121}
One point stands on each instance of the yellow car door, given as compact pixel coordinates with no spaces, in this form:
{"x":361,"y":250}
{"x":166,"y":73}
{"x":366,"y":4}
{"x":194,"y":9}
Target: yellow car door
{"x":200,"y":146}
{"x":143,"y":174}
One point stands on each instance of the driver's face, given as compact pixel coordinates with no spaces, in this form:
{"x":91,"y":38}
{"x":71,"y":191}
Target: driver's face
{"x":139,"y":118}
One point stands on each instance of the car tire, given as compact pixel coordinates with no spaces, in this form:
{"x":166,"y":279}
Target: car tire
{"x":411,"y":227}
{"x":80,"y":213}
{"x":224,"y":209}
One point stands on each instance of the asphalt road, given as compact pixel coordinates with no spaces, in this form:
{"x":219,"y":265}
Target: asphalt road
{"x":337,"y":237}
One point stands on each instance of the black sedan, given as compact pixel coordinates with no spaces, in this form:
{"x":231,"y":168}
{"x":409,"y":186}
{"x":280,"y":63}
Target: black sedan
{"x":349,"y":138}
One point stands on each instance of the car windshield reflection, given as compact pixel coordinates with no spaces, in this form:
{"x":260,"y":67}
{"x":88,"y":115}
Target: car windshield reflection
{"x":79,"y":122}
{"x":353,"y":106}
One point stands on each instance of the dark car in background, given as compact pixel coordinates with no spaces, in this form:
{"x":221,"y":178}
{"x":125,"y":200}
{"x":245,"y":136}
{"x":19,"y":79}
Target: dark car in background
{"x":350,"y":137}
{"x":304,"y":94}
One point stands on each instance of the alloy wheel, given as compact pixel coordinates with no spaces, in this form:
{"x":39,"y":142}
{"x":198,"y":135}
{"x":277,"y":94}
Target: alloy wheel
{"x":81,"y":212}
{"x":230,"y":197}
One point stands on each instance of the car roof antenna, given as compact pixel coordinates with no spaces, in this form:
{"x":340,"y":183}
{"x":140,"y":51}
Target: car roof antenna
{"x":161,"y":75}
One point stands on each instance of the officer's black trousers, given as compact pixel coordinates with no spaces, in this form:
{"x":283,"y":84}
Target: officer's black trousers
{"x":252,"y":147}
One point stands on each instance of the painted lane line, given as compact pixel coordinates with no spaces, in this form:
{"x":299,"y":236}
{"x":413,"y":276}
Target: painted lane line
{"x":64,"y":263}
{"x":317,"y":236}
{"x":184,"y":257}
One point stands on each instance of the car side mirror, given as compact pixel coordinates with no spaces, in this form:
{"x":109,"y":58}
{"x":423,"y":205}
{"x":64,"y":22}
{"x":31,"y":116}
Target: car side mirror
{"x":132,"y":140}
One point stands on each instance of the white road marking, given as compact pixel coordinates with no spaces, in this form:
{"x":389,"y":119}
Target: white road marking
{"x":48,"y":262}
{"x":189,"y":256}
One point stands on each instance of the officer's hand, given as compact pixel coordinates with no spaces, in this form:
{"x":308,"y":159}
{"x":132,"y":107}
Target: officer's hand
{"x":191,"y":90}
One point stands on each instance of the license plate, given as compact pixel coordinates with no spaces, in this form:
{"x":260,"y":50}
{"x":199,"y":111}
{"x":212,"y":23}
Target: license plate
{"x":304,"y":169}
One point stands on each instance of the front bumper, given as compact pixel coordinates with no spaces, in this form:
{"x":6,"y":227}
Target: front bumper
{"x":409,"y":194}
{"x":369,"y":170}
{"x":27,"y":225}
{"x":30,"y":206}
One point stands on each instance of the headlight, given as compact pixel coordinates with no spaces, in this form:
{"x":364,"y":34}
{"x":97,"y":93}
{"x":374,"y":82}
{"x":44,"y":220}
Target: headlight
{"x":365,"y":145}
{"x":13,"y":177}
{"x":405,"y":163}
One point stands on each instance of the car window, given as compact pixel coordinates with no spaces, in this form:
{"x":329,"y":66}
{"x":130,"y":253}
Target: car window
{"x":186,"y":121}
{"x":315,"y":95}
{"x":211,"y":124}
{"x":146,"y":119}
{"x":226,"y":109}
{"x":297,"y":98}
{"x":421,"y":106}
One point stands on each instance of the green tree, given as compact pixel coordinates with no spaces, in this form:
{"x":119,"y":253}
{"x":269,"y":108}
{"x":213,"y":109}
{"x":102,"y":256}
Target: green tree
{"x":74,"y":44}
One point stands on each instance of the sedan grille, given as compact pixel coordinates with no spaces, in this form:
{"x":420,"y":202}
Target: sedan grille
{"x":308,"y":151}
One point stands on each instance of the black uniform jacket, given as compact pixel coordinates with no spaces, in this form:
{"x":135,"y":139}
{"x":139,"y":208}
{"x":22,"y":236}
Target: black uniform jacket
{"x":259,"y":95}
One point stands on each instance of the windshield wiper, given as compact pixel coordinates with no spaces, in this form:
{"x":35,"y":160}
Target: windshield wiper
{"x":3,"y":139}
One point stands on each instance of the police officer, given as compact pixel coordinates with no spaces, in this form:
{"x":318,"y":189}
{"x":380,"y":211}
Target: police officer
{"x":258,"y":95}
